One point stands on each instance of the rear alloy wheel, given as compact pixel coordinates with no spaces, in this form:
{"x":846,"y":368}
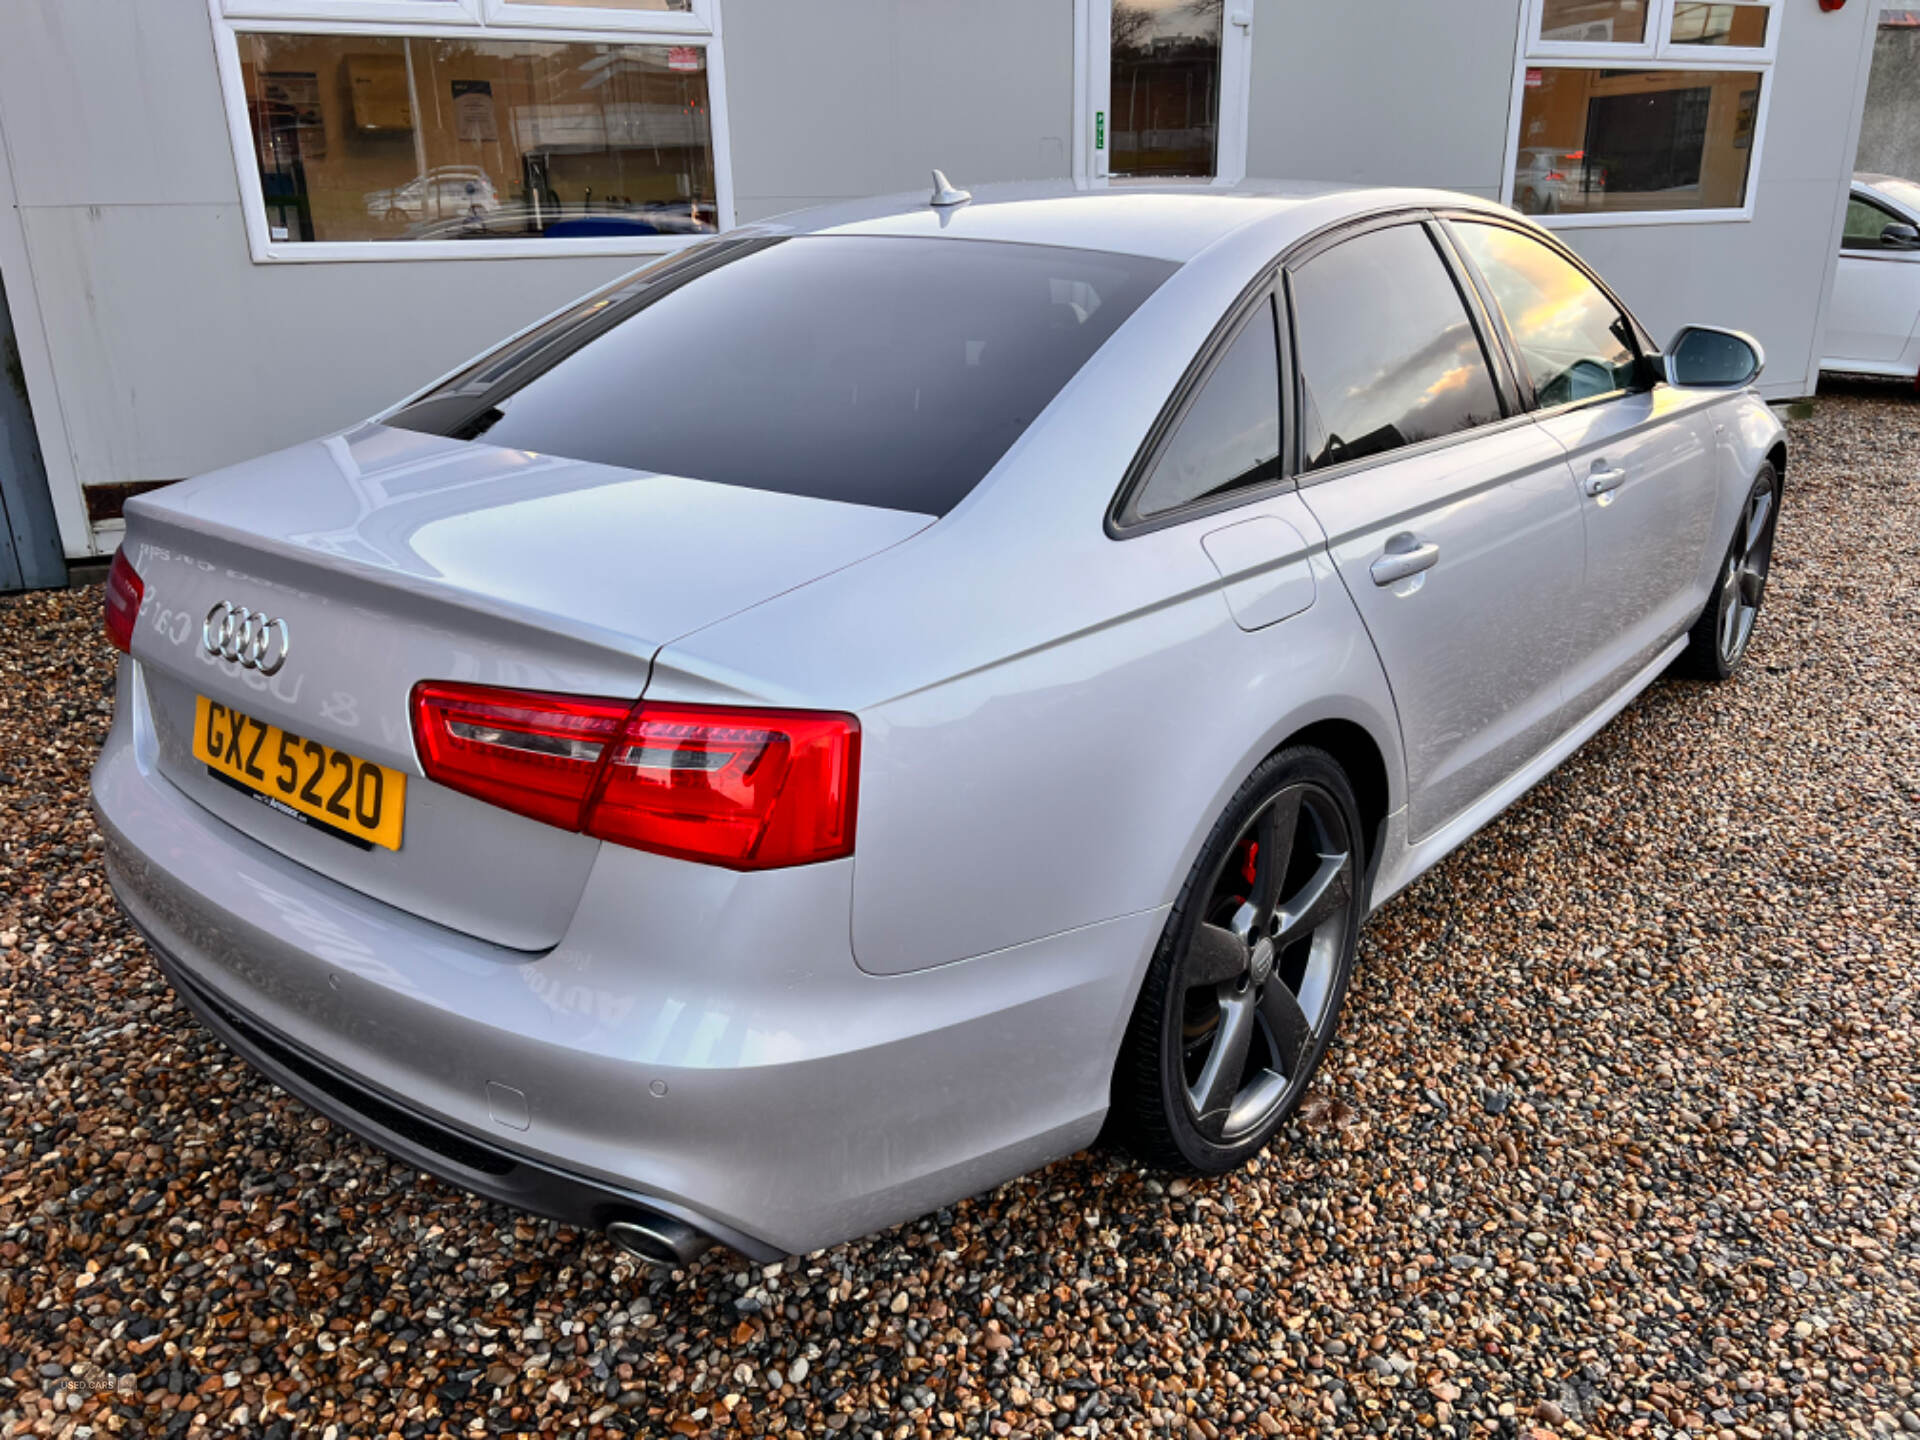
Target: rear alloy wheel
{"x":1242,"y":996}
{"x":1719,"y":637}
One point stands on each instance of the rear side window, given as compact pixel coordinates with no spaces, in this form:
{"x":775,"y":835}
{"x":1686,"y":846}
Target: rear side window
{"x":1229,"y":439}
{"x":880,"y":371}
{"x":1387,"y":354}
{"x":1572,"y":339}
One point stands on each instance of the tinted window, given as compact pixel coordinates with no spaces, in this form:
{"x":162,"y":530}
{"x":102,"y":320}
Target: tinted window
{"x":879,"y":371}
{"x":1573,"y":340}
{"x":1230,"y":436}
{"x":1387,"y":354}
{"x":1865,"y":221}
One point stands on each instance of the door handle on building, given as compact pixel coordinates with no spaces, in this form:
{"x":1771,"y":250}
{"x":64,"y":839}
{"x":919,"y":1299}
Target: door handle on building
{"x":1405,"y":556}
{"x":1603,"y":478}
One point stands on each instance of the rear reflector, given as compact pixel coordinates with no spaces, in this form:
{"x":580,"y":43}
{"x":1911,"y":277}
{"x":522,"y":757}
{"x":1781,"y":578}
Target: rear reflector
{"x":748,"y":789}
{"x":124,"y":592}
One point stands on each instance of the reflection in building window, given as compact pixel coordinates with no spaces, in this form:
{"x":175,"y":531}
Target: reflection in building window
{"x":1165,"y":86}
{"x":1595,"y":140}
{"x":1698,"y":23}
{"x":362,"y":137}
{"x":1594,"y":22}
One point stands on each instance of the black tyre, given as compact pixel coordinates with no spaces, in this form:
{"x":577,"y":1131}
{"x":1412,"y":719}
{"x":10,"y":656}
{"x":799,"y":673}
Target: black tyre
{"x":1719,"y":637}
{"x":1244,"y":991}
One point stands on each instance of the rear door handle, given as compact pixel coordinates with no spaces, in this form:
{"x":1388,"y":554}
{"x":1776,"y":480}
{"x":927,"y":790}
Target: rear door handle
{"x":1397,"y":564}
{"x":1603,"y":478}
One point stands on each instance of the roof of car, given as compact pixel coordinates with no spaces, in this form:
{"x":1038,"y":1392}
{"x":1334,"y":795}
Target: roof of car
{"x":1167,"y":221}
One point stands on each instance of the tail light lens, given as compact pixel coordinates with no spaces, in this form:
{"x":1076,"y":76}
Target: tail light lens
{"x":748,"y":789}
{"x":124,"y":592}
{"x":522,"y":750}
{"x":752,"y":789}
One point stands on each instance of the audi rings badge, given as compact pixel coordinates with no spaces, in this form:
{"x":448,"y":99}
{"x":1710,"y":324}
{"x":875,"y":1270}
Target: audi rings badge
{"x":246,"y":637}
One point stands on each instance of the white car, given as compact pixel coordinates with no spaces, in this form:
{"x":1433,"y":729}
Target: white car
{"x":1873,"y":325}
{"x":447,"y":192}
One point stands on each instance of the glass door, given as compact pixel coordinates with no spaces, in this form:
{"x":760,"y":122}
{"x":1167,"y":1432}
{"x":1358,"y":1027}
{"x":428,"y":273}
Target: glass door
{"x":1168,"y":86}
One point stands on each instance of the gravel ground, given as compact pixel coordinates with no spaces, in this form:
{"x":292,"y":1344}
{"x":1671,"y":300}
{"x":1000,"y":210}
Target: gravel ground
{"x":1619,"y":1137}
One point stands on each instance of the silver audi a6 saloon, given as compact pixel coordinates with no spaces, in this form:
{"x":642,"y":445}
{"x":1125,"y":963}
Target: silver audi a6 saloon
{"x":851,"y":711}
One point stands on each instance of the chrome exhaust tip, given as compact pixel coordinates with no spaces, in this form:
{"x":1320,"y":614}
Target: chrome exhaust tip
{"x":658,"y":1239}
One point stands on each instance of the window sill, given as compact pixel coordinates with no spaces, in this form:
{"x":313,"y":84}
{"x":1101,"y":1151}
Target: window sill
{"x":388,"y":251}
{"x":1639,"y":218}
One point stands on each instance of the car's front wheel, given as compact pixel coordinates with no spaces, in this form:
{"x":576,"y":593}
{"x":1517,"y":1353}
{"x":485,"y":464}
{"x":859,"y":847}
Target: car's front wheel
{"x":1719,"y":638}
{"x":1242,"y":996}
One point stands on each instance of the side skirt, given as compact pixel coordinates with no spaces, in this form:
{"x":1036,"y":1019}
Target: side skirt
{"x":1402,"y":863}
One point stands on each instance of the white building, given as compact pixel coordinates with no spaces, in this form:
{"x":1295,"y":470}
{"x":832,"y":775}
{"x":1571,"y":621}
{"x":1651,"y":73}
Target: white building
{"x":227,"y":225}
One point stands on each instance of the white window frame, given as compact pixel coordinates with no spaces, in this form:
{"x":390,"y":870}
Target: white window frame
{"x":697,"y":21}
{"x":1658,"y":52}
{"x":475,"y":19}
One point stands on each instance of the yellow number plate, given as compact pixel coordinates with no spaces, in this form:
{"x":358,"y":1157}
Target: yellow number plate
{"x":355,"y":799}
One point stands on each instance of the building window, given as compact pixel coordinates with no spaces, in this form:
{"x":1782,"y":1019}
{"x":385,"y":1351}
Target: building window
{"x":479,"y":135}
{"x":1740,"y":27}
{"x":1607,"y":123}
{"x":1165,"y":93}
{"x":1609,"y":22}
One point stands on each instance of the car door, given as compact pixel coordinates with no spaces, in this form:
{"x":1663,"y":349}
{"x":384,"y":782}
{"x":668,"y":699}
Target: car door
{"x":1453,"y":521}
{"x":1643,"y":454}
{"x":1876,"y":293}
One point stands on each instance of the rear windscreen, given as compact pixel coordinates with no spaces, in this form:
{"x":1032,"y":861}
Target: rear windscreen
{"x":877,"y":370}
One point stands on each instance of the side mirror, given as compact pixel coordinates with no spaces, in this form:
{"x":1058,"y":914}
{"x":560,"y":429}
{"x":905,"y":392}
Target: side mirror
{"x":1900,"y":237}
{"x":1707,"y":358}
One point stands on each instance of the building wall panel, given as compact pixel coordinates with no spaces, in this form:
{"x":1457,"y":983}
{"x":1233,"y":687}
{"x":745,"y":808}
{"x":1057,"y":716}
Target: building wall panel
{"x":829,"y":99}
{"x":113,"y":102}
{"x":176,"y":354}
{"x":1391,"y":92}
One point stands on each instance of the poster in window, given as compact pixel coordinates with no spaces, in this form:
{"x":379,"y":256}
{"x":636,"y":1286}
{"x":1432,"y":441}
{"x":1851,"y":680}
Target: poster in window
{"x":1744,"y":118}
{"x":473,"y":115}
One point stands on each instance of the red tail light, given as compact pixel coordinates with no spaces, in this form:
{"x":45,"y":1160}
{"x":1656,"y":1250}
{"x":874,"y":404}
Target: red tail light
{"x":124,"y":592}
{"x":524,"y":751}
{"x":748,"y":789}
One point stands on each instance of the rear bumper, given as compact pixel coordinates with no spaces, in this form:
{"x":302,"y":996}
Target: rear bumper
{"x":422,"y":1141}
{"x":699,"y":1043}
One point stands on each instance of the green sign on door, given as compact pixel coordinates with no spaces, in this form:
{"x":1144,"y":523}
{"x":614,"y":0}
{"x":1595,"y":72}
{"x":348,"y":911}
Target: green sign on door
{"x":1099,"y":129}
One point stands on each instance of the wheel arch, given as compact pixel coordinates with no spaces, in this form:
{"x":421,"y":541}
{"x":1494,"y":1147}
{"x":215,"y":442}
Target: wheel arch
{"x":1359,"y":756}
